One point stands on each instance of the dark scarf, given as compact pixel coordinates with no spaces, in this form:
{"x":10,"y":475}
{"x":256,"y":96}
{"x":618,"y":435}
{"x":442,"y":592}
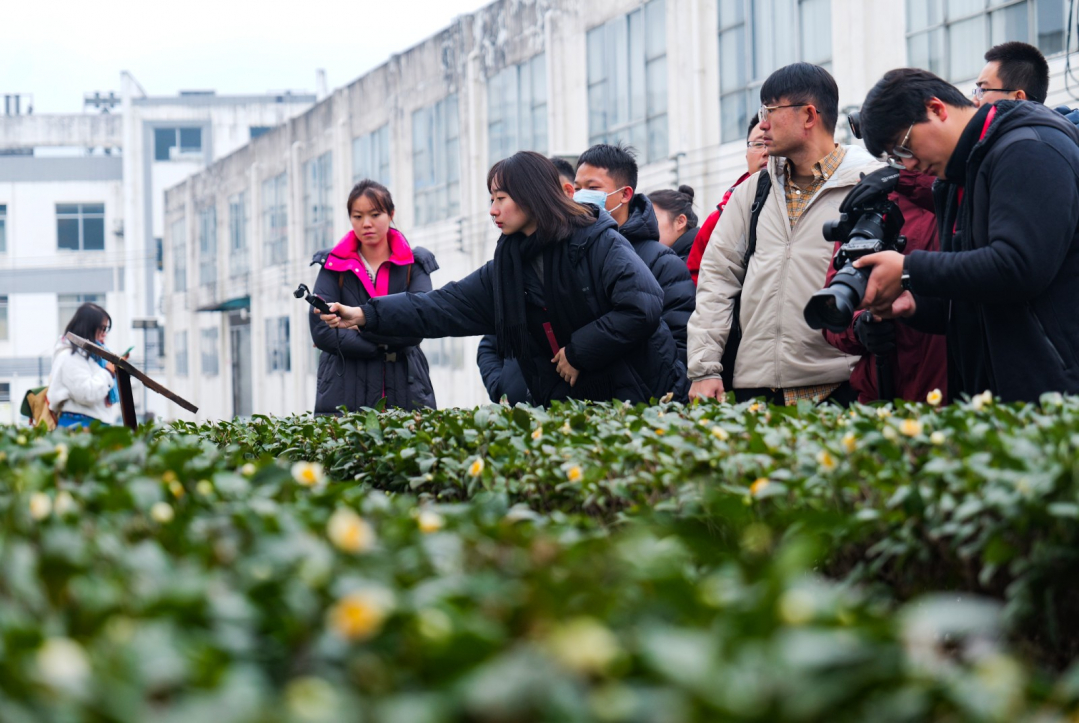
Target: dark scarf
{"x":566,"y":305}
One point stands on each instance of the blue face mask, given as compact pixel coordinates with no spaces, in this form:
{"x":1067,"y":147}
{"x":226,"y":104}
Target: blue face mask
{"x":595,"y":197}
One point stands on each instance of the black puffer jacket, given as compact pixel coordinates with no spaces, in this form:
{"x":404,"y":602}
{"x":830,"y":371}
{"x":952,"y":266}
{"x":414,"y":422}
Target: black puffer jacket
{"x":684,"y":244}
{"x":1006,"y":288}
{"x":627,"y":341}
{"x":370,"y":367}
{"x":501,"y":376}
{"x":641,"y":229}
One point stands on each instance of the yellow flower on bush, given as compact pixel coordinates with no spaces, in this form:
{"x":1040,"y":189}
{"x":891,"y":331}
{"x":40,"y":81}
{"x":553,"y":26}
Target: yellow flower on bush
{"x":537,"y":433}
{"x":754,"y":407}
{"x":61,"y":454}
{"x":40,"y":505}
{"x":758,"y":486}
{"x":849,"y":442}
{"x":980,"y":401}
{"x":350,"y":532}
{"x":659,"y":431}
{"x":162,"y":512}
{"x":584,"y":645}
{"x":308,"y":474}
{"x":911,"y":427}
{"x":476,"y":469}
{"x":721,"y":434}
{"x":937,"y":438}
{"x":358,"y":615}
{"x":65,"y":503}
{"x":884,"y":413}
{"x":430,"y":521}
{"x":204,"y":487}
{"x":566,"y":429}
{"x":574,"y":474}
{"x":176,"y":489}
{"x":826,"y":460}
{"x":168,"y":477}
{"x":247,"y":470}
{"x":934,"y":398}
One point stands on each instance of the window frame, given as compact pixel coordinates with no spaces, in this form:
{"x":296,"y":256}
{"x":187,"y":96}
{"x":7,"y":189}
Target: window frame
{"x":278,"y":349}
{"x":377,"y":145}
{"x":182,"y":152}
{"x":179,"y":353}
{"x":207,"y":240}
{"x":274,"y":218}
{"x":945,"y":24}
{"x":179,"y":254}
{"x":515,"y":109}
{"x":74,"y":301}
{"x":318,"y":202}
{"x":80,"y":216}
{"x":645,"y":115}
{"x":436,"y":184}
{"x":5,"y":305}
{"x":3,"y":228}
{"x":239,"y":253}
{"x":745,"y":29}
{"x":210,"y":358}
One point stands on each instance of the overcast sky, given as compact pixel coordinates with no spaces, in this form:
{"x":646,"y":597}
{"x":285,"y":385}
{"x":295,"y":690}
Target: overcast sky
{"x":58,"y":50}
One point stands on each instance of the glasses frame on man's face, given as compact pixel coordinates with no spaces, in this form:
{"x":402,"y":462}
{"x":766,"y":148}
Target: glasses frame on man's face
{"x":765,"y":110}
{"x":756,"y":145}
{"x":978,"y":92}
{"x":900,"y":151}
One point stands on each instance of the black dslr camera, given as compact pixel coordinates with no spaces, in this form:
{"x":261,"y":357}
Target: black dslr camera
{"x":870,"y":227}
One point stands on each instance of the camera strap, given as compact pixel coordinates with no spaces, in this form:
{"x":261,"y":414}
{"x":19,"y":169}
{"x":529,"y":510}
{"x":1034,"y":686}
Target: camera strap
{"x":985,"y":129}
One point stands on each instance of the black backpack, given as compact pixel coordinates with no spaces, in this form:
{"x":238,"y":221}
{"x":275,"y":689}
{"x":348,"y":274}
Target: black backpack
{"x":734,"y":339}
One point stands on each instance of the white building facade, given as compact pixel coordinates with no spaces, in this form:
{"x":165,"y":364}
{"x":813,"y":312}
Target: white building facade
{"x":678,"y":79}
{"x":82,"y":215}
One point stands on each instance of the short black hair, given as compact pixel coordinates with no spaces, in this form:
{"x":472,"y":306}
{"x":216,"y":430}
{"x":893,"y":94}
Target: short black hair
{"x":804,"y":83}
{"x":619,"y":160}
{"x":898,"y":100}
{"x":564,"y":168}
{"x":752,"y":124}
{"x":1022,"y":67}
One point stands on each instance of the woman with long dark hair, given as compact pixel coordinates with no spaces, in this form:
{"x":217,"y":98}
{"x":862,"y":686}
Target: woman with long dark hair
{"x":82,"y":387}
{"x":565,"y":295}
{"x":358,"y":368}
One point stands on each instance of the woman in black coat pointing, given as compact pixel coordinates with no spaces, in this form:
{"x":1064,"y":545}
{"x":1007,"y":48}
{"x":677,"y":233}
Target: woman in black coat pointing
{"x":565,"y":295}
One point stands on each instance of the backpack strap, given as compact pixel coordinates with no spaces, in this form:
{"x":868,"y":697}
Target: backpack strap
{"x":408,"y":277}
{"x":340,"y":280}
{"x":764,"y":184}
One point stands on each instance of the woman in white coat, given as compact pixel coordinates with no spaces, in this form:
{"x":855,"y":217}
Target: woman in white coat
{"x":82,"y":386}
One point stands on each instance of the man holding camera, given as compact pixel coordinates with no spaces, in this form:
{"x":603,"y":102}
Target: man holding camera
{"x":779,"y":357}
{"x":1005,"y":290}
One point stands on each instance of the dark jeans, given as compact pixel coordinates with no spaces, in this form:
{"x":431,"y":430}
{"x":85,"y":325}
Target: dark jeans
{"x":844,"y":395}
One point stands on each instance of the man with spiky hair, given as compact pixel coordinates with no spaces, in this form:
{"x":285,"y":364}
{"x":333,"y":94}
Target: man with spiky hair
{"x":1013,"y":71}
{"x":1005,"y":290}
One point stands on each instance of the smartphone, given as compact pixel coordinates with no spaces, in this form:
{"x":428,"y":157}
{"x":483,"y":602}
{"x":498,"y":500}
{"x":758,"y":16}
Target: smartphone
{"x":319,"y":303}
{"x":129,"y":350}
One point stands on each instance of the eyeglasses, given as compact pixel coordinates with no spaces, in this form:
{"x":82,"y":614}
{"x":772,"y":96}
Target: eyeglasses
{"x":900,"y":150}
{"x":105,"y":329}
{"x":978,"y":92}
{"x":765,"y":110}
{"x":756,"y":144}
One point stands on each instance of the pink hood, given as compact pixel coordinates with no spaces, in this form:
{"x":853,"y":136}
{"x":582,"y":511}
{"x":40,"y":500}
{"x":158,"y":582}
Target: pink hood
{"x":346,"y":257}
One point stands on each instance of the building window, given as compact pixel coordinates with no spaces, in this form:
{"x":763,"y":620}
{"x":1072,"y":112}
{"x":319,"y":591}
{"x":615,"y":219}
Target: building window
{"x":80,"y":226}
{"x":179,"y":353}
{"x":277,"y":345}
{"x":949,"y":38}
{"x":169,"y":143}
{"x":238,"y":255}
{"x":208,"y":347}
{"x":275,"y":219}
{"x":179,"y":254}
{"x":318,"y":207}
{"x":517,"y":109}
{"x":208,"y":245}
{"x":3,"y":228}
{"x":371,"y":156}
{"x":68,"y":304}
{"x":627,"y":81}
{"x":5,"y":392}
{"x":257,"y":131}
{"x":435,"y":161}
{"x":3,"y":318}
{"x":756,"y":38}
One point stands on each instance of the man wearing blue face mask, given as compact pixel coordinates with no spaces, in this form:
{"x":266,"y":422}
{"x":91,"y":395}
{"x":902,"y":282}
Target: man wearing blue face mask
{"x":607,"y":178}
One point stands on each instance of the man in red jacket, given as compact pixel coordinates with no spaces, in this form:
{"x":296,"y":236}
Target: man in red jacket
{"x":756,"y":159}
{"x":919,"y":360}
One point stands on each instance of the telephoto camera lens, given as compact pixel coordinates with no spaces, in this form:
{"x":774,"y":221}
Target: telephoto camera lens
{"x":833,"y":307}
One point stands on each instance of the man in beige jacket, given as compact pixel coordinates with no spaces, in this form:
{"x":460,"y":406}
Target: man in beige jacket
{"x":780,"y":358}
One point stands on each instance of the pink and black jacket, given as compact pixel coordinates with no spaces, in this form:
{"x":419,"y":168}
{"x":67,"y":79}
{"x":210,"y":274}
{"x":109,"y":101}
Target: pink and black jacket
{"x":356,"y":368}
